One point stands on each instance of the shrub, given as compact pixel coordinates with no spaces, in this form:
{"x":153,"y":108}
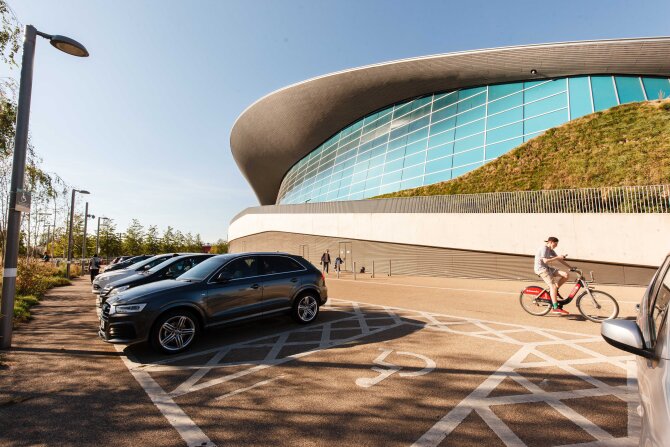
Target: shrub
{"x":22,"y":305}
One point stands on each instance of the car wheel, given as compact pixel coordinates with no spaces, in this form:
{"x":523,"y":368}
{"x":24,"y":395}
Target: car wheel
{"x":306,"y":308}
{"x":175,"y":331}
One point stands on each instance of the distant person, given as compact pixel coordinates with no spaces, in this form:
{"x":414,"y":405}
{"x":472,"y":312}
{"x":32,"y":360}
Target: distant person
{"x":553,"y":277}
{"x":94,"y":266}
{"x":325,"y":260}
{"x":46,"y":257}
{"x":338,"y":264}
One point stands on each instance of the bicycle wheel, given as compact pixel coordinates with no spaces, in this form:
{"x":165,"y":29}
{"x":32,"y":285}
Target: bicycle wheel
{"x":528,"y":298}
{"x":599,"y":308}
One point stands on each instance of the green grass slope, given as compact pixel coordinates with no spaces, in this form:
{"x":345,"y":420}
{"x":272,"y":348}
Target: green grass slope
{"x":623,"y":146}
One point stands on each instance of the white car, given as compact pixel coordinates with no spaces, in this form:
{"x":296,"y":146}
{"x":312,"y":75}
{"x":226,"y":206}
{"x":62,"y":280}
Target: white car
{"x":647,"y":338}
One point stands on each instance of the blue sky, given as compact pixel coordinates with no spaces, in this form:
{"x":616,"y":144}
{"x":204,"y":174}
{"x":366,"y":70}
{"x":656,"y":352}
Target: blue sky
{"x":144,"y":123}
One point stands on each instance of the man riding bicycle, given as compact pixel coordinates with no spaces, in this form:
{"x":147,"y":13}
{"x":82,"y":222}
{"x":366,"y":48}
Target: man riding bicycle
{"x":553,"y":277}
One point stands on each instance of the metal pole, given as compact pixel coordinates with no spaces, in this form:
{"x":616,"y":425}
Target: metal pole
{"x":18,"y":171}
{"x":69,"y":237}
{"x":97,"y":238}
{"x":83,"y":245}
{"x":389,"y":267}
{"x":354,"y":263}
{"x":373,"y":268}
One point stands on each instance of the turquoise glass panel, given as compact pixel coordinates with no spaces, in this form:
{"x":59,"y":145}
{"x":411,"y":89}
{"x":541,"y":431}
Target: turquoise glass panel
{"x":412,"y":160}
{"x":443,"y":125}
{"x":506,"y":103}
{"x":604,"y":96}
{"x":469,"y":143}
{"x":447,"y":112}
{"x":391,"y":187}
{"x":418,"y":135}
{"x":445,"y":101}
{"x":470,"y":116}
{"x":656,"y":88}
{"x":470,"y":129}
{"x":412,"y":183}
{"x":504,"y":118}
{"x":580,"y":97}
{"x":500,"y":90}
{"x":629,"y":89}
{"x":416,"y":147}
{"x":441,"y":151}
{"x":437,"y":177}
{"x":545,"y":105}
{"x":392,"y":177}
{"x":544,"y":122}
{"x":544,"y":89}
{"x":504,"y":133}
{"x":442,"y":138}
{"x":395,"y":165}
{"x":465,"y":158}
{"x":412,"y":172}
{"x":439,"y":165}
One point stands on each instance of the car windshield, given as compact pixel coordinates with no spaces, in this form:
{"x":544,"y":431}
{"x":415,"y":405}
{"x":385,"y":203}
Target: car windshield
{"x":152,"y":261}
{"x":205,"y":268}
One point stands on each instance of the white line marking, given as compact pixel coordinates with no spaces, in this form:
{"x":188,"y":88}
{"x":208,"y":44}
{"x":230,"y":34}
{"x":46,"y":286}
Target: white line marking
{"x":251,"y":387}
{"x":187,"y":429}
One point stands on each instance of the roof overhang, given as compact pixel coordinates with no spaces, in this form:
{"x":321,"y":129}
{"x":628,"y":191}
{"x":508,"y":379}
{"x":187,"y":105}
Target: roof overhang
{"x":279,"y":129}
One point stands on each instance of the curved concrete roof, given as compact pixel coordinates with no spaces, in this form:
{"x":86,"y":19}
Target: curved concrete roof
{"x":279,"y":129}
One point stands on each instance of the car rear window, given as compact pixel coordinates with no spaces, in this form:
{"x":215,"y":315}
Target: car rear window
{"x":279,"y":264}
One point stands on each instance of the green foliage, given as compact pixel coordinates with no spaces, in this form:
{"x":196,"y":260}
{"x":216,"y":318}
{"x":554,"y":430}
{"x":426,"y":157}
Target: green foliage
{"x":220,"y":247}
{"x":10,"y":34}
{"x":627,"y":145}
{"x":22,"y":305}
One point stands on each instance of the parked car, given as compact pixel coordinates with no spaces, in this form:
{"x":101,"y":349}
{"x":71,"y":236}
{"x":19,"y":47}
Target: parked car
{"x":647,"y":337}
{"x":171,"y":268}
{"x":171,"y":314}
{"x":124,"y":263}
{"x":103,"y":279}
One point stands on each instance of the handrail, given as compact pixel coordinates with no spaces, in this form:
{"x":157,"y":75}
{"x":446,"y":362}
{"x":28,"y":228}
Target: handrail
{"x":615,"y":199}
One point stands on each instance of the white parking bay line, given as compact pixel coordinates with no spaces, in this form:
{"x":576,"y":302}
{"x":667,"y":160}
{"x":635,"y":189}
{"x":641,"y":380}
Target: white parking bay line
{"x":187,"y":429}
{"x":251,"y":387}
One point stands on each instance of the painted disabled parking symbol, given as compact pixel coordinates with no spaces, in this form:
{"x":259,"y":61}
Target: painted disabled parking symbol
{"x":388,"y":369}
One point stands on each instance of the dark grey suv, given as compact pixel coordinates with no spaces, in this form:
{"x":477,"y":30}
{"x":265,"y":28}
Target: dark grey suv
{"x":171,"y":314}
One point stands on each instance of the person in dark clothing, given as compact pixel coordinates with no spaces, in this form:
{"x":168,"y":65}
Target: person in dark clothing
{"x":94,"y":266}
{"x":325,"y":260}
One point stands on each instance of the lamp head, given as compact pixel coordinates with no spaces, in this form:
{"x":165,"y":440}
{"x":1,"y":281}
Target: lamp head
{"x":69,"y":46}
{"x":82,"y":191}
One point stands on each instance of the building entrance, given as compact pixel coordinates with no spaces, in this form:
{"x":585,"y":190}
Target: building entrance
{"x":346,"y":255}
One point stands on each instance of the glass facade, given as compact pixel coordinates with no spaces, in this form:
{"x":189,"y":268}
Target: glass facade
{"x":444,"y":135}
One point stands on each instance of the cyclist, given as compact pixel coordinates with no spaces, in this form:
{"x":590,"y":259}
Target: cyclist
{"x":553,"y":277}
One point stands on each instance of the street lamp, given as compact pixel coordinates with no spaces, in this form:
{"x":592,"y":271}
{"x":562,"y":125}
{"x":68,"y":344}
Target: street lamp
{"x":97,"y":237}
{"x":69,"y":237}
{"x":68,"y":46}
{"x":83,"y":246}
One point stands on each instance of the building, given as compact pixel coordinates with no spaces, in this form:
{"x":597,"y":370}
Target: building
{"x":362,"y":132}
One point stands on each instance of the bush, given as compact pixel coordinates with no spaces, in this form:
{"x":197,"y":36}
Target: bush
{"x":22,"y":305}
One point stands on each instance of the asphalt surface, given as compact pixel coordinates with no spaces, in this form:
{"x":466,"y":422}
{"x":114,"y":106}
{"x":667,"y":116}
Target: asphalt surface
{"x":390,"y":361}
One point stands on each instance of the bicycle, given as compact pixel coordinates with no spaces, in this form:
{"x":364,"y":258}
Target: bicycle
{"x":594,"y":305}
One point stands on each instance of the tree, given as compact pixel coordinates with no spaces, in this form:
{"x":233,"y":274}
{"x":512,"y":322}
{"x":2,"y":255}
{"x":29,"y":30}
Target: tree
{"x":152,"y":243}
{"x":168,"y":243}
{"x":220,"y":247}
{"x":133,"y":242}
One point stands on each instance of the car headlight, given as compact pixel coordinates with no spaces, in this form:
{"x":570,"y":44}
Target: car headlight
{"x":117,"y":290}
{"x":126,"y":308}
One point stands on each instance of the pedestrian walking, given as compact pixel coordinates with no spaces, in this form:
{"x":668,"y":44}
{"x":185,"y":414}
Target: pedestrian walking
{"x":338,"y":264}
{"x":325,"y":260}
{"x":94,"y":266}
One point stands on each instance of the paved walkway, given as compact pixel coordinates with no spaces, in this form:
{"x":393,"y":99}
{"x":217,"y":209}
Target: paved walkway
{"x":60,"y":385}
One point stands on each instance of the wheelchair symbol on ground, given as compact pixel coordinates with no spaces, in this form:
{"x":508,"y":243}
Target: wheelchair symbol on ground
{"x":388,"y":369}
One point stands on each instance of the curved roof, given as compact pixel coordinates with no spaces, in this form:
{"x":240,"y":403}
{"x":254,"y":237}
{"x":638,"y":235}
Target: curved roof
{"x":275,"y":132}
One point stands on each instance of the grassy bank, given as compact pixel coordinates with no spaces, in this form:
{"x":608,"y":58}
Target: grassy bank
{"x":623,"y":146}
{"x":33,"y":279}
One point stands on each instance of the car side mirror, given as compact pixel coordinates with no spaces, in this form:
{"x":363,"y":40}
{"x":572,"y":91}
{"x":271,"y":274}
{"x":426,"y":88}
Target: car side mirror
{"x":625,"y":335}
{"x":223,"y":278}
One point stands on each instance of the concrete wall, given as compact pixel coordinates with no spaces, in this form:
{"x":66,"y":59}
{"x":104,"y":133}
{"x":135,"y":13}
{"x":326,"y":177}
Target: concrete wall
{"x":632,"y":239}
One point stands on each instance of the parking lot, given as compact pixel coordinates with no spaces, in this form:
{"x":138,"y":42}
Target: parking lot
{"x":401,"y":361}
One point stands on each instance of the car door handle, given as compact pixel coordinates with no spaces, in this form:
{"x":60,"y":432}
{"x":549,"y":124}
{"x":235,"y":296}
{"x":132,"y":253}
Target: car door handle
{"x":294,"y":279}
{"x":255,"y":286}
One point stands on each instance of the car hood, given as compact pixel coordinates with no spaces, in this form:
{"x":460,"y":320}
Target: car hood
{"x":128,"y":280}
{"x":148,"y":291}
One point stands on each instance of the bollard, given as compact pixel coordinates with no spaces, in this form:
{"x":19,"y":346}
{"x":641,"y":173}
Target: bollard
{"x":354,"y":270}
{"x":373,"y":269}
{"x":389,"y":267}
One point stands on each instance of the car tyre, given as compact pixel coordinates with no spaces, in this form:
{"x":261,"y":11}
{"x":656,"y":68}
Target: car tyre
{"x":306,"y":308}
{"x":175,"y":331}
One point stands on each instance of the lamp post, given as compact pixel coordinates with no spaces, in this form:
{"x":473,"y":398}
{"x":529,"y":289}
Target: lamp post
{"x":83,"y":245}
{"x":69,"y":236}
{"x":97,"y":237}
{"x":66,"y":45}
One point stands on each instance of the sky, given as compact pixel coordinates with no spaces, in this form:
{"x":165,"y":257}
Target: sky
{"x":144,"y":123}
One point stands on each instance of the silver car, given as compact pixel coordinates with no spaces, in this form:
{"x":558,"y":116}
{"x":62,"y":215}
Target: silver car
{"x":647,"y":338}
{"x":103,"y":279}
